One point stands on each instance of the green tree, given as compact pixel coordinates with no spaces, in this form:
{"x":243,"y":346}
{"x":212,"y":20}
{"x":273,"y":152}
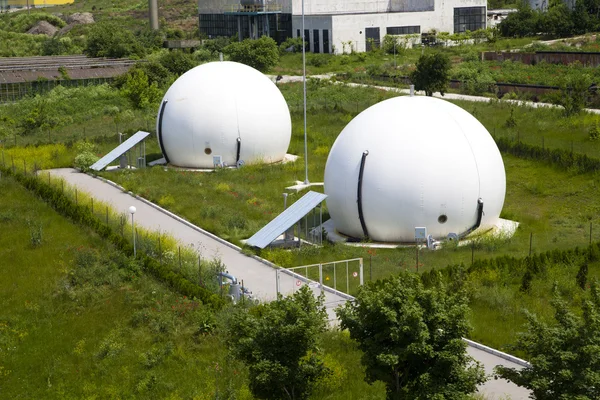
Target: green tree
{"x":565,"y":356}
{"x":177,"y":62}
{"x":411,"y":337}
{"x":278,"y":342}
{"x":261,"y":54}
{"x":432,"y":73}
{"x":574,"y":92}
{"x":107,"y":39}
{"x":139,"y":90}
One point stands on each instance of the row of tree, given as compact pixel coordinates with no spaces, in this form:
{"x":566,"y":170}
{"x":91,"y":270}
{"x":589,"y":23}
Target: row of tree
{"x":559,"y":20}
{"x":411,"y":336}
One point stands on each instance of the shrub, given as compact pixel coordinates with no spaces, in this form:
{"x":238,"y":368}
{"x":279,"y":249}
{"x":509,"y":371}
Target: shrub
{"x":107,"y":39}
{"x":177,"y":62}
{"x":318,"y":60}
{"x":139,"y":90}
{"x":23,"y":22}
{"x":261,"y":54}
{"x":293,"y":45}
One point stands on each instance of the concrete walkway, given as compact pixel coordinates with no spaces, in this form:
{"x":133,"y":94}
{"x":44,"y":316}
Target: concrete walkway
{"x":258,"y":276}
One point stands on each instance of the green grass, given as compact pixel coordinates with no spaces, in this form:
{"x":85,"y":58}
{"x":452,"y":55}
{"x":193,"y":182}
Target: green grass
{"x":79,"y":320}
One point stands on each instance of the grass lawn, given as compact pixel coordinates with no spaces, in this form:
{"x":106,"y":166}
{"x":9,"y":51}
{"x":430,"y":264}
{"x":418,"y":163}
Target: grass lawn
{"x":79,"y":319}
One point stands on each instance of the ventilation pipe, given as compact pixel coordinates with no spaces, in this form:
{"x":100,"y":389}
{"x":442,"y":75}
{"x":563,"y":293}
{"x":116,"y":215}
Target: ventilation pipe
{"x":153,"y":8}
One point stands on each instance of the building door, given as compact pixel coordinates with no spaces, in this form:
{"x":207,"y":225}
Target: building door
{"x":372,"y":38}
{"x":307,"y":40}
{"x":325,"y":40}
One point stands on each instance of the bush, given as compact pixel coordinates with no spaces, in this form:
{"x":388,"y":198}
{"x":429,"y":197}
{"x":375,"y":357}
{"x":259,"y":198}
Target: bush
{"x":86,"y":155}
{"x":60,"y":46}
{"x":216,"y":46}
{"x":177,"y":62}
{"x":293,"y":45}
{"x":261,"y":54}
{"x":22,"y":22}
{"x":107,"y":39}
{"x":139,"y":90}
{"x":318,"y":60}
{"x":203,"y":55}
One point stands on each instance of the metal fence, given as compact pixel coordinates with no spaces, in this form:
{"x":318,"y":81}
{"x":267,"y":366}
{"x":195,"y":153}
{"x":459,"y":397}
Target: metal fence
{"x":11,"y":92}
{"x":345,"y":276}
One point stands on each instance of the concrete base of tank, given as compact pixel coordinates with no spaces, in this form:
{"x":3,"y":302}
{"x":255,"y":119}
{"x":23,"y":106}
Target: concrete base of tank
{"x":504,"y":229}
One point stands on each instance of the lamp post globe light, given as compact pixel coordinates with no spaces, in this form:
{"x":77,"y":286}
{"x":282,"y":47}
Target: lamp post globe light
{"x":132,"y":211}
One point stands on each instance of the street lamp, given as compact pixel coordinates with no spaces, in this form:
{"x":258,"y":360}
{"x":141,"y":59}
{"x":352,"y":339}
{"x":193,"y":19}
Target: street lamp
{"x":132,"y":211}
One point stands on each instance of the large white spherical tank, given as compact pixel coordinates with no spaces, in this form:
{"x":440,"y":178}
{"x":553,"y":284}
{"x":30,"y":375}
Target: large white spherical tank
{"x":218,"y":109}
{"x":429,"y":164}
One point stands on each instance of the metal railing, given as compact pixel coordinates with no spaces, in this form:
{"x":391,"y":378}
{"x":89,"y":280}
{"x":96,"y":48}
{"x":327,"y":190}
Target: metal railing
{"x":343,"y":277}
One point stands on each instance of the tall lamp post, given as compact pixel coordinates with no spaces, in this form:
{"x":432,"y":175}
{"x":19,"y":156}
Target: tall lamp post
{"x":304,"y":41}
{"x":132,"y":211}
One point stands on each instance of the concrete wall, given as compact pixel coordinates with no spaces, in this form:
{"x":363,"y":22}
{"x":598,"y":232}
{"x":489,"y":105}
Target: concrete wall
{"x":311,"y":23}
{"x":347,"y":28}
{"x":316,"y":7}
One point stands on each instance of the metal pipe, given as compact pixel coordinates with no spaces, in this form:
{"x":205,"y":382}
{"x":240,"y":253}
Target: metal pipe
{"x":160,"y":119}
{"x":359,"y":194}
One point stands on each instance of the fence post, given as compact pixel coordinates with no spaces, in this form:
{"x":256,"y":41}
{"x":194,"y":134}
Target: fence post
{"x":159,"y":250}
{"x":277,"y":283}
{"x":530,"y":242}
{"x":321,"y":277}
{"x":347,"y":279}
{"x":334,"y":276}
{"x":361,"y":271}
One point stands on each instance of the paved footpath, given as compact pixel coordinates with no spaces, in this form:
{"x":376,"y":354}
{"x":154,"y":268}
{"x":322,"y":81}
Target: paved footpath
{"x":258,"y":276}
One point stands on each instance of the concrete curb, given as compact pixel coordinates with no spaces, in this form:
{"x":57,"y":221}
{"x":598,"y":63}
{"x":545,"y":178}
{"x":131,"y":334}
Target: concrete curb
{"x":497,"y":353}
{"x":348,"y":297}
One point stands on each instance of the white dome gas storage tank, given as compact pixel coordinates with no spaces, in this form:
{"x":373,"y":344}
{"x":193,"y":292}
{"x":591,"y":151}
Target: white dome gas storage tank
{"x":425,"y":163}
{"x":223,"y":109}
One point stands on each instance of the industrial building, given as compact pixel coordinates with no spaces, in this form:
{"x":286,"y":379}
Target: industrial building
{"x":338,"y":25}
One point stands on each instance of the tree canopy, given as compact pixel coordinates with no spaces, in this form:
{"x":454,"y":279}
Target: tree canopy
{"x":432,"y":73}
{"x":564,"y":356}
{"x":411,"y":337}
{"x":278,"y":342}
{"x":261,"y":54}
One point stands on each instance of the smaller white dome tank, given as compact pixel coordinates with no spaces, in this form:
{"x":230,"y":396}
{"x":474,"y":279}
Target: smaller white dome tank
{"x":226,"y":109}
{"x":427,"y":163}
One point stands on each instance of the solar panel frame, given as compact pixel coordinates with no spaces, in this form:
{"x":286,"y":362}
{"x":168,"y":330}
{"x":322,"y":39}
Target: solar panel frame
{"x":119,"y":150}
{"x":286,"y":219}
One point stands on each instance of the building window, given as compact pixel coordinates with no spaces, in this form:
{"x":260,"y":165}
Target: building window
{"x":469,"y":19}
{"x":325,"y":40}
{"x":403,"y":30}
{"x":316,"y":41}
{"x":298,"y":33}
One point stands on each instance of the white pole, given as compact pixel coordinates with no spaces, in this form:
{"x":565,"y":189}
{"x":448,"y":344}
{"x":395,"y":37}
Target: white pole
{"x":133,"y":233}
{"x":306,"y":182}
{"x":132,"y":211}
